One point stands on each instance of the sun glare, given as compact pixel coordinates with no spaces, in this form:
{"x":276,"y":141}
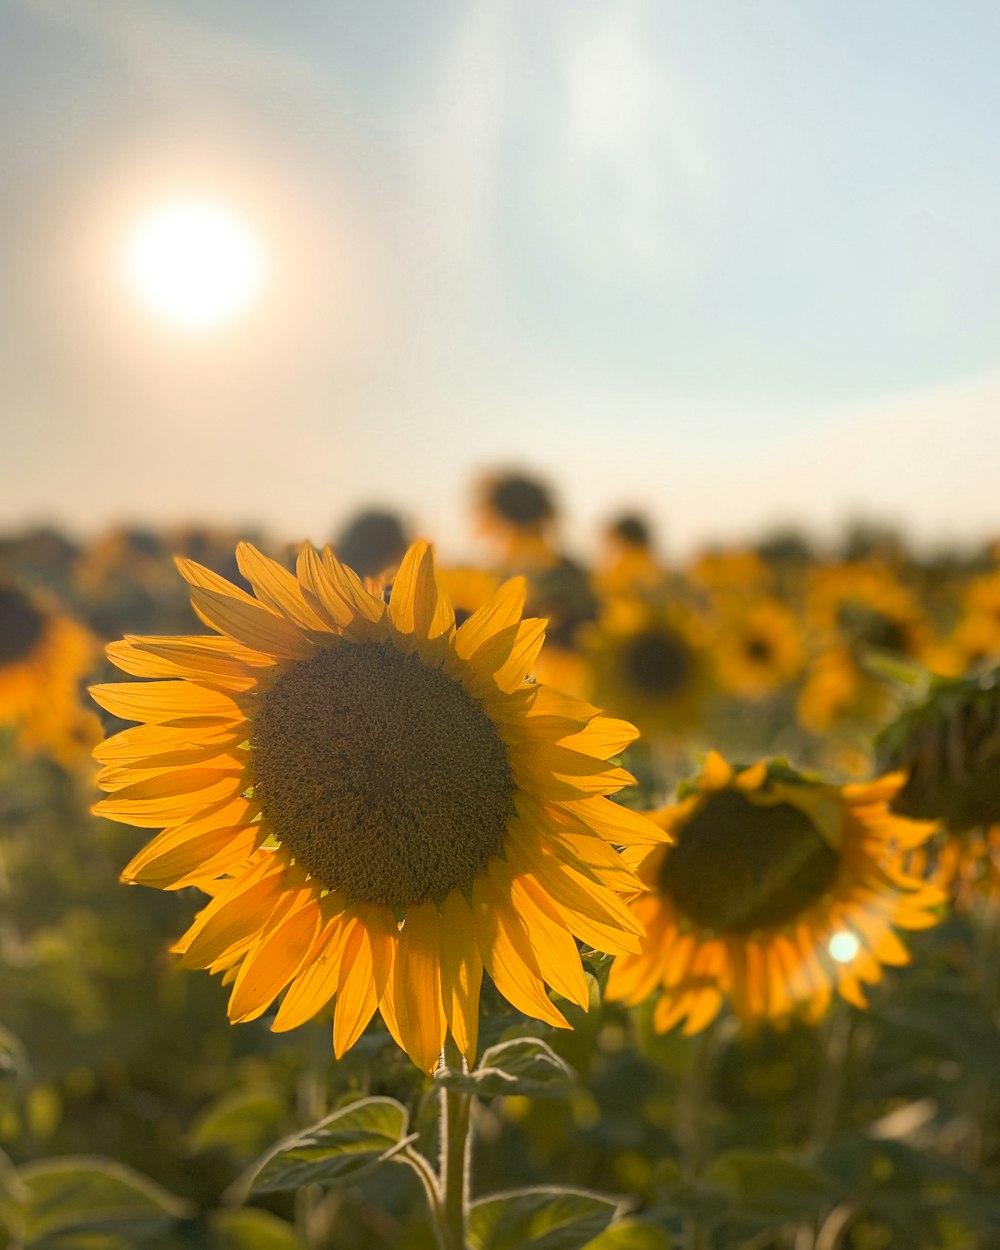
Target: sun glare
{"x":194,"y":264}
{"x":843,"y":947}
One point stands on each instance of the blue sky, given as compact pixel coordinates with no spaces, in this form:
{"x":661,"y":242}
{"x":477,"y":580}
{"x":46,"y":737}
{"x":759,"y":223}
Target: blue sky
{"x":733,"y":263}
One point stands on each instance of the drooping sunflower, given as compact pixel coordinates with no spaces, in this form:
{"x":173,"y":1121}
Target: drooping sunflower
{"x":949,"y":746}
{"x":44,"y":656}
{"x":379,"y":804}
{"x":776,"y":890}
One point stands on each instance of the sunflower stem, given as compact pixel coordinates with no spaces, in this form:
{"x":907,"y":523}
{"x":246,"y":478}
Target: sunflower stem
{"x":691,"y":1110}
{"x":456,"y":1155}
{"x":835,"y":1047}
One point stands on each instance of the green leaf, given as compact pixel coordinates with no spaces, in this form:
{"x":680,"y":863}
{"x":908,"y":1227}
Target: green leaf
{"x":350,"y":1141}
{"x":631,"y":1235}
{"x":241,"y":1122}
{"x":82,"y":1196}
{"x":523,"y":1065}
{"x":540,"y":1218}
{"x":13,"y":1193}
{"x":249,"y":1229}
{"x":14,"y":1067}
{"x":768,"y":1184}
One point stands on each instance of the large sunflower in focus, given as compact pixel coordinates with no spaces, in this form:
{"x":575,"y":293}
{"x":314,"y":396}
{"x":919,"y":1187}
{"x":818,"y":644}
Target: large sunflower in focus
{"x":776,"y":890}
{"x":44,"y":656}
{"x":379,"y":804}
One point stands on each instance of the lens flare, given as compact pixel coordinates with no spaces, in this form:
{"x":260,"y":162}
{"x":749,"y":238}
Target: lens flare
{"x":194,"y":264}
{"x":843,"y":947}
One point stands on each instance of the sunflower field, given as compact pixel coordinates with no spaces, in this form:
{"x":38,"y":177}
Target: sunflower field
{"x":352,"y":897}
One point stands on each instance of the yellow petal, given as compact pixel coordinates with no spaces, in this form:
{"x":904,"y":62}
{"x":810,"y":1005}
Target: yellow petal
{"x":418,"y":604}
{"x":416,"y":986}
{"x":176,"y":854}
{"x":348,"y":588}
{"x":316,"y":982}
{"x":517,"y":978}
{"x":501,"y":611}
{"x":613,"y":822}
{"x":594,"y":913}
{"x":552,"y":943}
{"x":716,"y":773}
{"x":272,"y":963}
{"x":252,"y":624}
{"x":185,"y":657}
{"x":275,"y":587}
{"x":149,"y":742}
{"x":166,"y":703}
{"x":356,"y":998}
{"x":231,"y":922}
{"x":461,"y":974}
{"x":602,"y":737}
{"x":155,"y":803}
{"x":523,"y":655}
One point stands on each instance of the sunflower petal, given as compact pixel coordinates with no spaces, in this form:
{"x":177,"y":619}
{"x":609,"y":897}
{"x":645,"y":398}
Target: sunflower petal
{"x":416,"y":986}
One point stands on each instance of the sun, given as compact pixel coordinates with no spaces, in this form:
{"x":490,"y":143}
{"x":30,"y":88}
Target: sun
{"x":194,"y":263}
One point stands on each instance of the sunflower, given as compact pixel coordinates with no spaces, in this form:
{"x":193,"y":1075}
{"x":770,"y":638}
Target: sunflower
{"x":44,"y":655}
{"x":949,"y":745}
{"x":379,"y":804}
{"x":628,"y":564}
{"x":777,"y":889}
{"x":759,"y":648}
{"x":974,"y":642}
{"x":738,"y":570}
{"x":982,"y":596}
{"x":855,"y":606}
{"x":651,"y":664}
{"x":372,"y":543}
{"x":518,"y":515}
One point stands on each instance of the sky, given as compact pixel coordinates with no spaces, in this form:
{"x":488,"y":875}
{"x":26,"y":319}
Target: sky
{"x":735,"y":265}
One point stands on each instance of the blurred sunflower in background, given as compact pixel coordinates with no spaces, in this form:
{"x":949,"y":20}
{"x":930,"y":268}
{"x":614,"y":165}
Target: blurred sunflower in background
{"x":565,"y":596}
{"x":517,"y":514}
{"x":628,"y":564}
{"x":379,"y":804}
{"x":758,"y":648}
{"x":774,"y":891}
{"x":854,"y":610}
{"x":651,"y":664}
{"x":737,"y":570}
{"x":974,"y":639}
{"x":372,"y":543}
{"x":864,"y":606}
{"x":44,"y":657}
{"x":949,"y":747}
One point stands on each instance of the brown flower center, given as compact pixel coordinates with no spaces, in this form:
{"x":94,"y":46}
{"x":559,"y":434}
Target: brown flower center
{"x":21,"y":625}
{"x":759,"y":650}
{"x":382,"y":777}
{"x":738,"y":866}
{"x":870,"y":628}
{"x":658,"y":664}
